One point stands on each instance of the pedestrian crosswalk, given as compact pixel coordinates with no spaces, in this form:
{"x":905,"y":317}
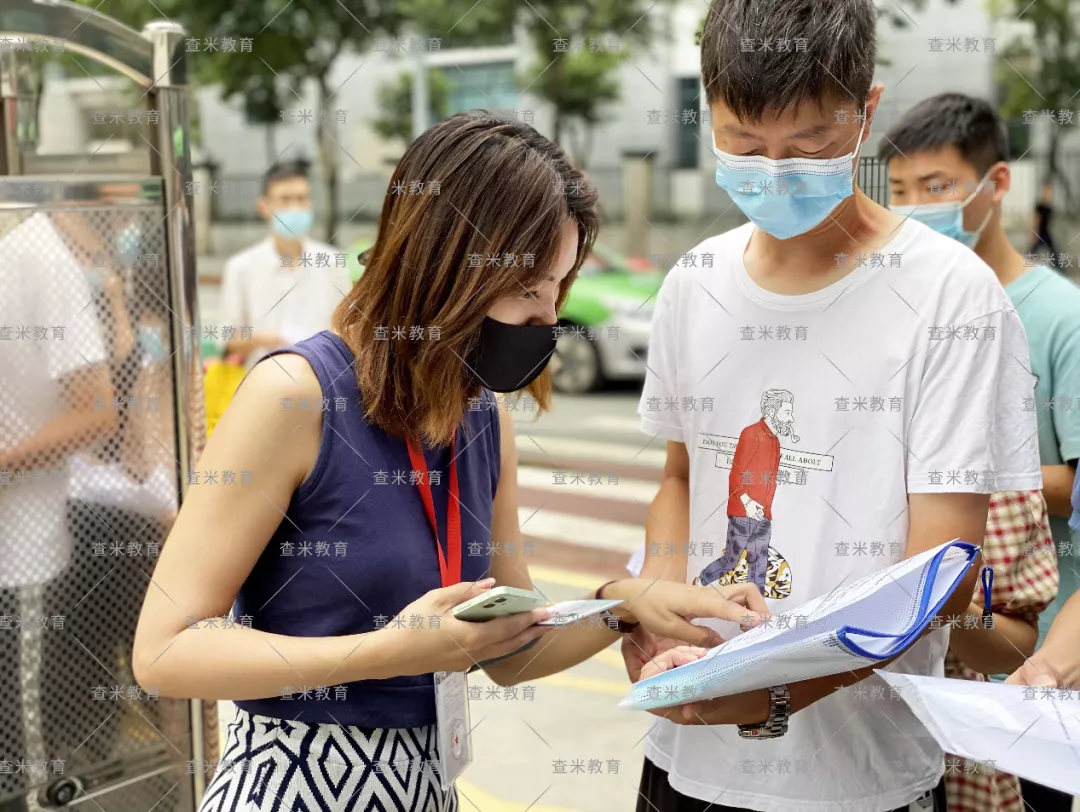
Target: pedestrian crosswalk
{"x":557,"y":448}
{"x":587,"y":481}
{"x":585,"y":531}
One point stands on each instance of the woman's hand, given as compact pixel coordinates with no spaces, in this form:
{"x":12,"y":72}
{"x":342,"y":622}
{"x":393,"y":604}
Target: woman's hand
{"x":458,"y":645}
{"x":666,"y":608}
{"x":1036,"y":673}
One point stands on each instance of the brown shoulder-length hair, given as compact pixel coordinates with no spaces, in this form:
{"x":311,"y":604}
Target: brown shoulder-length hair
{"x":474,"y":212}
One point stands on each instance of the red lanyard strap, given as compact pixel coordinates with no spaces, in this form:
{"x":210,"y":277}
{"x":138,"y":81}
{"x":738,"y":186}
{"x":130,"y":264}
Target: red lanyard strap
{"x":449,"y":573}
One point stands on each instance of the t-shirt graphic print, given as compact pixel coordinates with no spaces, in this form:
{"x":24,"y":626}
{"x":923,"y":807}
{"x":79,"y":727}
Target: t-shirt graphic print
{"x":757,"y":466}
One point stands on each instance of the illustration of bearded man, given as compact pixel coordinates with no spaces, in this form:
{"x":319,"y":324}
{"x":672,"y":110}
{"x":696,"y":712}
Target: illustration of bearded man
{"x":751,"y":488}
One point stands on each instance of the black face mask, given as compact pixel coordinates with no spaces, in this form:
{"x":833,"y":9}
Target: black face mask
{"x":511,"y":356}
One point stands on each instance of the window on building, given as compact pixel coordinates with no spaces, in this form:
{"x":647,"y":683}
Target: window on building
{"x":688,"y":123}
{"x":489,"y":85}
{"x":1019,"y":137}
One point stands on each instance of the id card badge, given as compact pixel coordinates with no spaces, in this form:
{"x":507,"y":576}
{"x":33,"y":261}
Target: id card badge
{"x":452,"y":720}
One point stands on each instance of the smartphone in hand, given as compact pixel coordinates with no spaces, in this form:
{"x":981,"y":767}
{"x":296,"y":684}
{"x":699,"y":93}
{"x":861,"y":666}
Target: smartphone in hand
{"x":500,"y":601}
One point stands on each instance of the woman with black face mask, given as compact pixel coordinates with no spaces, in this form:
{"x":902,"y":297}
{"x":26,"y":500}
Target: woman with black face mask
{"x":372,"y":477}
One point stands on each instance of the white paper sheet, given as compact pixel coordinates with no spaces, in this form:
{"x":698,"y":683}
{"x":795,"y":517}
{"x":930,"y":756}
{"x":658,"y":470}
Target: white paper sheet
{"x":857,"y":624}
{"x":1030,"y":732}
{"x":568,"y":613}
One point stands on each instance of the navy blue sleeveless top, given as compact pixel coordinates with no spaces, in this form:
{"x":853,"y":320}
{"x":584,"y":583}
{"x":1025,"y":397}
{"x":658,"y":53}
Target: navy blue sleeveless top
{"x":356,"y":547}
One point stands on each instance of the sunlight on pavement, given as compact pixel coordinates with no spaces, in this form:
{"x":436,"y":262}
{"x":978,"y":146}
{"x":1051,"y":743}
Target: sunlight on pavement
{"x":473,"y":798}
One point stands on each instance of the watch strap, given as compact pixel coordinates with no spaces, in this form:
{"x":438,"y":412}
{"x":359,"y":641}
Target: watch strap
{"x":779,"y":714}
{"x":614,"y":622}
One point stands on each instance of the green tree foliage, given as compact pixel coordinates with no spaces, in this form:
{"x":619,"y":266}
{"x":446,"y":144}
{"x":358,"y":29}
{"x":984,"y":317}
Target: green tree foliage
{"x":1039,"y":70}
{"x":578,"y":47}
{"x":294,"y":46}
{"x":394,"y":121}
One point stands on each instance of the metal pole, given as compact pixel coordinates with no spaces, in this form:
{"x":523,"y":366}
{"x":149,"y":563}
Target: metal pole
{"x":10,"y":143}
{"x":420,"y":93}
{"x":171,"y":159}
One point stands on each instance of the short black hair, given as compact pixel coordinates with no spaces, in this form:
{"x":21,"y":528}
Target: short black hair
{"x":285,"y":170}
{"x":759,"y":55}
{"x":950,"y":120}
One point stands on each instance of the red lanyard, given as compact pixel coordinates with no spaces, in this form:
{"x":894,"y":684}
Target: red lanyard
{"x":450,"y":573}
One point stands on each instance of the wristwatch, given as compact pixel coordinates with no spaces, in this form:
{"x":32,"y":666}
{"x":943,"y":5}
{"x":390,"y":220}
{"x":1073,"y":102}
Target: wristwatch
{"x":614,"y":621}
{"x":779,"y":712}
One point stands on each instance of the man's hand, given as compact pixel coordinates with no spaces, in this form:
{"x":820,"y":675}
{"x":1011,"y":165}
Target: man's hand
{"x":670,"y":658}
{"x":741,"y":709}
{"x":641,"y":647}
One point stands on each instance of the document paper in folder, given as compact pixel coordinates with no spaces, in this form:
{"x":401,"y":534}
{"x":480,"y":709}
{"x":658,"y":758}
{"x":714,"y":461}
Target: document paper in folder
{"x":855,"y":625}
{"x":1030,"y":732}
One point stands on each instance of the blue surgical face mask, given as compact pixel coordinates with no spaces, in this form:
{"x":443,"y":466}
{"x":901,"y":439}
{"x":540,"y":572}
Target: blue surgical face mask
{"x":153,"y":344}
{"x":127,"y":243}
{"x":786,"y":197}
{"x":947,"y":218}
{"x":292,"y":223}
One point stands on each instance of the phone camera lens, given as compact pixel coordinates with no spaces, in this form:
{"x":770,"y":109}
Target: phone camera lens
{"x":489,"y":605}
{"x":500,"y":600}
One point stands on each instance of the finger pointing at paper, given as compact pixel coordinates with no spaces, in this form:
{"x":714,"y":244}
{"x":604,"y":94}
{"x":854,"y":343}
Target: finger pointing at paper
{"x":666,"y":608}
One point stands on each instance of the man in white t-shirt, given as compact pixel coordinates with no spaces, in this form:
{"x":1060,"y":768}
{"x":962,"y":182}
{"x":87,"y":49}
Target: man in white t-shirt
{"x":284,"y":288}
{"x":897,"y":350}
{"x":54,"y":378}
{"x":56,"y":397}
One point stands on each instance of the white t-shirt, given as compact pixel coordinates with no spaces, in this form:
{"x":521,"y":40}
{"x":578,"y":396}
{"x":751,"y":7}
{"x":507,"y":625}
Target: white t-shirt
{"x":294,"y":296}
{"x":47,"y":331}
{"x":908,"y":379}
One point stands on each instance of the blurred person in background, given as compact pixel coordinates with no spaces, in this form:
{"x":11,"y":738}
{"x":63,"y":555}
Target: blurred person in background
{"x":284,"y":288}
{"x":405,"y":399}
{"x":54,"y":380}
{"x":122,"y":487}
{"x":948,"y":168}
{"x":1040,"y":224}
{"x":788,"y":127}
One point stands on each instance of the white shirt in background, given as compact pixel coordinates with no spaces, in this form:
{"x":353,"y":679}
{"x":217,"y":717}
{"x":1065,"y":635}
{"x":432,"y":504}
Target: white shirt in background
{"x":42,"y":287}
{"x":293,"y":296}
{"x":907,"y":378}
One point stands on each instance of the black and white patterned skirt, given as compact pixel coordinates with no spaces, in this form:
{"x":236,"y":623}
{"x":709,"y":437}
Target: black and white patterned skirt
{"x":274,"y":765}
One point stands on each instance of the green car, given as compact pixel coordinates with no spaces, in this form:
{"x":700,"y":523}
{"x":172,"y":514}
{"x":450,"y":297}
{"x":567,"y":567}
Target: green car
{"x":606,"y":320}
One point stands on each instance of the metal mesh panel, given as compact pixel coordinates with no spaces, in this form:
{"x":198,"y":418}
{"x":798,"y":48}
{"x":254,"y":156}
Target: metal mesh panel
{"x":88,"y":492}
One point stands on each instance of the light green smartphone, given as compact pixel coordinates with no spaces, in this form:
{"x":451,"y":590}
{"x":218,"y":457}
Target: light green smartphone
{"x":499,"y":602}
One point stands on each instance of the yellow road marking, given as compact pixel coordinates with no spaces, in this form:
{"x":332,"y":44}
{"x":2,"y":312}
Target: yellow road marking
{"x":590,"y":684}
{"x":472,"y":797}
{"x":610,"y":657}
{"x":584,"y":580}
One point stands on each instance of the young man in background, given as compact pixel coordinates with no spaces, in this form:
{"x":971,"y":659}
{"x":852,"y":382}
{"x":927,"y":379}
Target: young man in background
{"x":284,"y":288}
{"x":847,"y":307}
{"x":948,"y":168}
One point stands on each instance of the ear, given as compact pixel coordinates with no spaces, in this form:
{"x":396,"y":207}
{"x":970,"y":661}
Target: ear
{"x":1001,"y":176}
{"x":262,"y":206}
{"x":873,"y":99}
